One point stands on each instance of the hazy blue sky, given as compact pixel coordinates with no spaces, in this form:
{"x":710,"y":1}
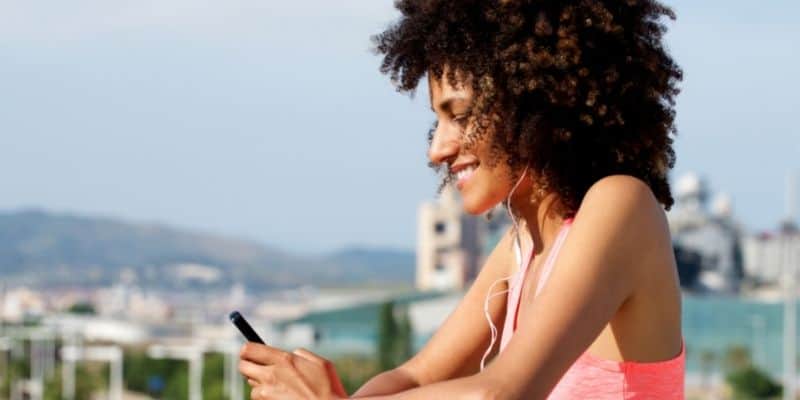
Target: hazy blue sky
{"x":270,"y":120}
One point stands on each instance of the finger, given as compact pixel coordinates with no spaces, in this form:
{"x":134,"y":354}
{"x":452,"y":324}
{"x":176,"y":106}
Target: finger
{"x":328,"y":366}
{"x":294,"y":381}
{"x":309,"y":365}
{"x":287,"y":384}
{"x":311,"y":357}
{"x":282,"y":378}
{"x":318,"y":373}
{"x":261,"y":374}
{"x":264,"y":354}
{"x":336,"y":382}
{"x":306,"y":367}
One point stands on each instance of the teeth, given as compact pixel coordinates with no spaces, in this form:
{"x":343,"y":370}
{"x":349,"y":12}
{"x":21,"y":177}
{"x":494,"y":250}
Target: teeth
{"x":465,"y":172}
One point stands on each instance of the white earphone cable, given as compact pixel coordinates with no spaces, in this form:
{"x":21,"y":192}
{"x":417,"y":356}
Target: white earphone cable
{"x":489,"y":295}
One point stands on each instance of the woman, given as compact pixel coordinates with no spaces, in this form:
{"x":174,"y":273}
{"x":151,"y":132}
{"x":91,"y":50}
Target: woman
{"x":563,"y":111}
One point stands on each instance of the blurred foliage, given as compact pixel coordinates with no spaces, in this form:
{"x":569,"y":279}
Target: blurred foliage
{"x":89,"y":377}
{"x":750,"y":382}
{"x":169,"y":378}
{"x":746,"y":380}
{"x":139,"y":371}
{"x":214,"y":376}
{"x":355,"y":370}
{"x":395,"y":336}
{"x":82,"y":308}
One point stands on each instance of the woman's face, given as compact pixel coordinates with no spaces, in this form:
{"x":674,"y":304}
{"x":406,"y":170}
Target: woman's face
{"x":481,"y":186}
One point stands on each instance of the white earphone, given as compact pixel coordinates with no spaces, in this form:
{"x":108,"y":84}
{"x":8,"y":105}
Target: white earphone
{"x":518,"y":254}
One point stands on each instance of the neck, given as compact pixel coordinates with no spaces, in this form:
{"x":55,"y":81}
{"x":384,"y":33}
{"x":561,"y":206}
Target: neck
{"x":538,"y":221}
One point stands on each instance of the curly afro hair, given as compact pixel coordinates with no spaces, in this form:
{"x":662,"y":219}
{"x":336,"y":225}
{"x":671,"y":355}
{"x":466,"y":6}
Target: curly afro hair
{"x":576,"y":90}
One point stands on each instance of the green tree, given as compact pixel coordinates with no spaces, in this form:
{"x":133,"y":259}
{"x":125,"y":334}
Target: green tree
{"x":90,"y":378}
{"x":139,"y":369}
{"x":214,"y":376}
{"x":750,"y":382}
{"x":745,"y":379}
{"x":395,"y":336}
{"x":405,"y":337}
{"x":387,"y":332}
{"x":82,"y":308}
{"x":177,"y":386}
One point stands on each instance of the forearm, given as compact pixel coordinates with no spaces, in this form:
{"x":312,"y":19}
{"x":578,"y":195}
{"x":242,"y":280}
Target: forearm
{"x":469,"y":388}
{"x":389,"y":382}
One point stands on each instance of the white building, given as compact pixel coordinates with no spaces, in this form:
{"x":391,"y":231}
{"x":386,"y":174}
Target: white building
{"x":450,"y":243}
{"x":768,"y":255}
{"x":20,"y":303}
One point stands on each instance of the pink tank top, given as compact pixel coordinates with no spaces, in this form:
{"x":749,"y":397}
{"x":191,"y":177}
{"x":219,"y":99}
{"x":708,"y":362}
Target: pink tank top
{"x":591,"y":377}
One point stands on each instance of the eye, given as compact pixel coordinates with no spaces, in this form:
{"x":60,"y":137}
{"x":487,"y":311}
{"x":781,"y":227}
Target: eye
{"x":461,"y":119}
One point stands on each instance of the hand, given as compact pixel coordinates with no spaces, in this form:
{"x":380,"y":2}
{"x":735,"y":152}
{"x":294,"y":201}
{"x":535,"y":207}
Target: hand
{"x":276,"y":374}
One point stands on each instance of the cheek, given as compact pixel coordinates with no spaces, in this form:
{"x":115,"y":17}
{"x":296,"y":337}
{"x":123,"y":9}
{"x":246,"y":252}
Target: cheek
{"x":496,"y":187}
{"x":500,"y":175}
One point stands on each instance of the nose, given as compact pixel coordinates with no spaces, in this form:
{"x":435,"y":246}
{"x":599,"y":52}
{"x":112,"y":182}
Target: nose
{"x":445,"y":144}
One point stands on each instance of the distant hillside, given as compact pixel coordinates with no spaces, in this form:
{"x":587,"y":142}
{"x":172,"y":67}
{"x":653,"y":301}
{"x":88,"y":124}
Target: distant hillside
{"x":374,"y":265}
{"x":45,"y":248}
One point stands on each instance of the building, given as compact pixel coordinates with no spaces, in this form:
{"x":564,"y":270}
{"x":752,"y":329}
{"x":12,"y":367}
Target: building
{"x":729,"y":258}
{"x":714,"y":252}
{"x":711,"y":234}
{"x":770,"y":256}
{"x":767,"y":255}
{"x":451,"y":245}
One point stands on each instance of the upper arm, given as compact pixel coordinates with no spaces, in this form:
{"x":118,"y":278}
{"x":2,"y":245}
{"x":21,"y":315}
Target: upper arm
{"x":617,"y":222}
{"x":458,"y":345}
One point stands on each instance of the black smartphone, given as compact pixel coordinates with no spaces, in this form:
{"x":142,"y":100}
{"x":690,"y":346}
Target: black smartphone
{"x":244,"y":327}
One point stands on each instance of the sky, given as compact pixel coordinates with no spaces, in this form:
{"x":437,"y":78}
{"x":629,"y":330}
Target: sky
{"x":270,"y":120}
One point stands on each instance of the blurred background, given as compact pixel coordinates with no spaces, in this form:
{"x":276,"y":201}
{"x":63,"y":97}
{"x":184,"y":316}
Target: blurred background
{"x":165,"y":162}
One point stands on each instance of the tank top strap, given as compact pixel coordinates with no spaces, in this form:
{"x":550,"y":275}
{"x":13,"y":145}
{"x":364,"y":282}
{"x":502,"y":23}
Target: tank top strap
{"x":515,"y":284}
{"x":550,"y":261}
{"x":523,"y":259}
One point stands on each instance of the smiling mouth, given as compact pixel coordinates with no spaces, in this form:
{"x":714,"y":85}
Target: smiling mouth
{"x":466,"y":172}
{"x":464,"y":175}
{"x":455,"y":178}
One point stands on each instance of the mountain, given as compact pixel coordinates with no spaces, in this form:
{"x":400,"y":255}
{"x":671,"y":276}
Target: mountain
{"x":46,"y":248}
{"x":375,"y":265}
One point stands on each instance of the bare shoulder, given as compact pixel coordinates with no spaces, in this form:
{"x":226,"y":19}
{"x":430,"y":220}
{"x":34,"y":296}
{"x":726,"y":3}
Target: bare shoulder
{"x":623,"y":199}
{"x":622,"y":213}
{"x":625,"y":208}
{"x":629,"y":192}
